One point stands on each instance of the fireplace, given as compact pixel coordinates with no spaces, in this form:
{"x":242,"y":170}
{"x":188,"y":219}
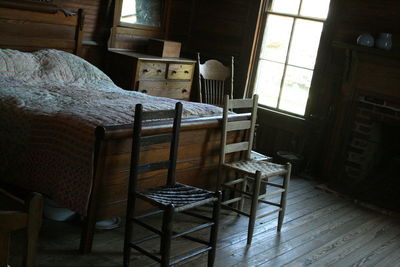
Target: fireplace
{"x":362,"y":158}
{"x":372,"y":164}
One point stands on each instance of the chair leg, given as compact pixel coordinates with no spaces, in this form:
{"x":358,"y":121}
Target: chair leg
{"x":254,"y":204}
{"x":33,"y":229}
{"x":244,"y":187}
{"x":129,"y":229}
{"x":221,"y":177}
{"x":283,"y":197}
{"x":165,"y":247}
{"x":214,"y":229}
{"x":4,"y":247}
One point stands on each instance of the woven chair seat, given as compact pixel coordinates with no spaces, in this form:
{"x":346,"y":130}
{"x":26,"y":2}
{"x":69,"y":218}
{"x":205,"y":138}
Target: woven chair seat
{"x":180,"y":195}
{"x":266,"y":168}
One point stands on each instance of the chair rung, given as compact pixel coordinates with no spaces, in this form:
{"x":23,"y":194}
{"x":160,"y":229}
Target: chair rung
{"x":237,"y":190}
{"x":194,"y":229}
{"x":270,"y":203}
{"x":197,"y":215}
{"x":235,"y":181}
{"x":236,"y":199}
{"x":145,"y":252}
{"x":148,"y":227}
{"x":268,"y":194}
{"x":187,"y":256}
{"x":275,"y":185}
{"x":144,"y":239}
{"x":268,"y":213}
{"x":195,"y":239}
{"x":235,"y":210}
{"x":149,"y":214}
{"x":265,"y":181}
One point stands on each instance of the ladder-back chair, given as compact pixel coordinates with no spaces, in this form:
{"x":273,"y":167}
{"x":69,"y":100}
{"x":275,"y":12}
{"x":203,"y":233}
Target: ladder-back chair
{"x":16,"y":214}
{"x":249,"y":171}
{"x":171,"y":198}
{"x":214,"y":81}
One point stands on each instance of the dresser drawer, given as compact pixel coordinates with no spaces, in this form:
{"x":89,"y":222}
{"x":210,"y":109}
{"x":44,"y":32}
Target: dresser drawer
{"x":180,"y":71}
{"x":175,"y":90}
{"x":151,"y":70}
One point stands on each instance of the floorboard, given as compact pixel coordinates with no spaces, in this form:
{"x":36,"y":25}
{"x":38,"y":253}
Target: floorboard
{"x":320,"y":229}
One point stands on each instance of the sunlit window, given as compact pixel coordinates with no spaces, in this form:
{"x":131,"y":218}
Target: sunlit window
{"x":128,"y":12}
{"x":288,"y":51}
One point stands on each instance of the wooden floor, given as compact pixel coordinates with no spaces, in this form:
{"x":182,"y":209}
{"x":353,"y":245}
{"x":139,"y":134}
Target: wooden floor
{"x":320,"y":229}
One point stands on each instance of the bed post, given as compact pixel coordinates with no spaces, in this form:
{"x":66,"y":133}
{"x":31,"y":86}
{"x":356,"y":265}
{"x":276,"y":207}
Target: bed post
{"x":89,"y":221}
{"x":79,"y":32}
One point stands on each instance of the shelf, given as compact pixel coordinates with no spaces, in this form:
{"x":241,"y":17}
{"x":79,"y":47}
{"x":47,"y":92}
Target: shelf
{"x":394,"y":54}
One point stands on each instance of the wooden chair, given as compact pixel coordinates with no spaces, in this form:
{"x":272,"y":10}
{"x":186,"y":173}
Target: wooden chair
{"x":249,"y":171}
{"x":171,"y":198}
{"x":213,"y":76}
{"x":17,"y":214}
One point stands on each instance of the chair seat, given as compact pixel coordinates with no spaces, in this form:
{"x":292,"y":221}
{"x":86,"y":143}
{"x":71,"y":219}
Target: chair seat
{"x":250,"y":166}
{"x":181,"y":196}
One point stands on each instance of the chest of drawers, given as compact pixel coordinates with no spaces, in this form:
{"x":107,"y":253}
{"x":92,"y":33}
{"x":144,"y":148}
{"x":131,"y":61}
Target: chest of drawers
{"x":157,"y":76}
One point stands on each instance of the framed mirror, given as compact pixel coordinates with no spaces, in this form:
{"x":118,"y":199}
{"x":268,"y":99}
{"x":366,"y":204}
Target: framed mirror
{"x":139,"y":13}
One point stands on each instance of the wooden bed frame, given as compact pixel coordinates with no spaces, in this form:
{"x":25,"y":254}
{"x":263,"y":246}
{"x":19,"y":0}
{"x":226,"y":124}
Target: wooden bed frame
{"x":31,"y":26}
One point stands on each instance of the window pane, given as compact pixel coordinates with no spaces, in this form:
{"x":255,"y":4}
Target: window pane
{"x":286,"y":6}
{"x":315,"y":8}
{"x":276,"y":38}
{"x":305,"y":42}
{"x":268,"y":82}
{"x":128,"y":12}
{"x":295,"y":90}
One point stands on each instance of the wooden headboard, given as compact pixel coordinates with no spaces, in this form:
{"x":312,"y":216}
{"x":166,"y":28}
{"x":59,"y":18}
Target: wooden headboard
{"x":30,"y":26}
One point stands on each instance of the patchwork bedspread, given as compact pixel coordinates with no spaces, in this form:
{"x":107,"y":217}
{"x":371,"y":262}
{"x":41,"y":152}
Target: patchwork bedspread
{"x":50,"y":105}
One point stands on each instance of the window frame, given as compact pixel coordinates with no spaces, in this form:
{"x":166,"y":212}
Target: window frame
{"x":265,"y":11}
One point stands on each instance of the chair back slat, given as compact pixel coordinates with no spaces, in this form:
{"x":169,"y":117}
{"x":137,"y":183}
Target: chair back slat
{"x":240,"y":103}
{"x":238,"y":125}
{"x":214,"y":70}
{"x":158,"y":115}
{"x":156,"y":139}
{"x":153,"y":166}
{"x":236,"y":147}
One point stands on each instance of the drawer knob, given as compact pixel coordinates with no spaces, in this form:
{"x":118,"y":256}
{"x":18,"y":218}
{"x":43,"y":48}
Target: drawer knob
{"x":186,"y":71}
{"x":145,"y":70}
{"x":174,"y":72}
{"x":144,"y":91}
{"x":184,"y":91}
{"x":159,"y":71}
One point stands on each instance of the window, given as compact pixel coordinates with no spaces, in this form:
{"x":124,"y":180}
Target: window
{"x":288,"y":51}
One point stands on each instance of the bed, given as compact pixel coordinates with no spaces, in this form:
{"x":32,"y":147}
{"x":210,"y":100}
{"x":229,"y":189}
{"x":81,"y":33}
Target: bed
{"x":66,"y":128}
